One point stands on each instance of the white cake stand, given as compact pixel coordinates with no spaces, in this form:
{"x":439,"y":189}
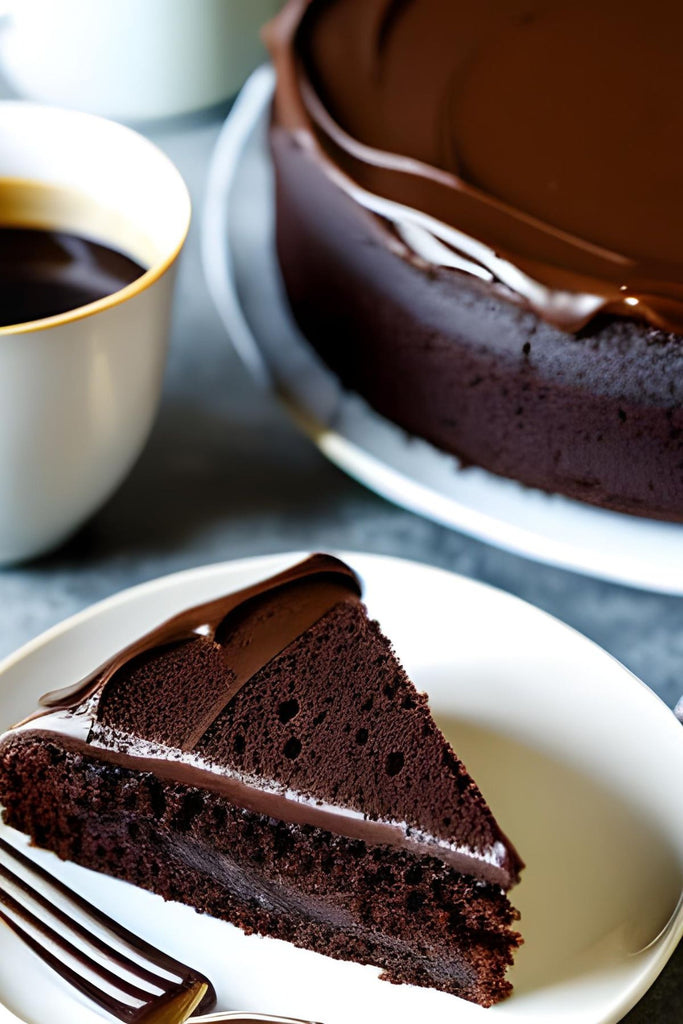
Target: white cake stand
{"x":244,"y":279}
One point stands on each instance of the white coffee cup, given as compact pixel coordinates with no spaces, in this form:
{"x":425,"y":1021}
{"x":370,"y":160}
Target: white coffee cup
{"x":131,"y":59}
{"x":78,"y":391}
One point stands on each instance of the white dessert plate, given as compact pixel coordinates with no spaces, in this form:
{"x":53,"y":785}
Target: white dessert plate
{"x":243,"y":275}
{"x":581,"y":763}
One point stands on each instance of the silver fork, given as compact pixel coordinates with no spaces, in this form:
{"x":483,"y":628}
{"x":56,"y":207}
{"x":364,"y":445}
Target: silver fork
{"x":114,"y":968}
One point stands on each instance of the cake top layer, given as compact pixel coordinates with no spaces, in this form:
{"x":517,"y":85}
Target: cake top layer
{"x":288,"y":699}
{"x":252,"y":625}
{"x":539,"y":139}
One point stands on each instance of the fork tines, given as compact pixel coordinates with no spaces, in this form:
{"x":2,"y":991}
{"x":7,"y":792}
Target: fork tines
{"x":120,"y":972}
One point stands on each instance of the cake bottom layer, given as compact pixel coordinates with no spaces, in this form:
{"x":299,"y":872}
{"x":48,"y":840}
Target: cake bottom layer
{"x":418,"y":920}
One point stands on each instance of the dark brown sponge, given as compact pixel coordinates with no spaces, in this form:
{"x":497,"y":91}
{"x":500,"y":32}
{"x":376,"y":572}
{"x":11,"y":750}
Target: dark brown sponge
{"x":421,"y":922}
{"x":333,"y":717}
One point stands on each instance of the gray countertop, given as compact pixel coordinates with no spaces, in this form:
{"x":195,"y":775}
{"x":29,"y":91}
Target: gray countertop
{"x":226,"y":475}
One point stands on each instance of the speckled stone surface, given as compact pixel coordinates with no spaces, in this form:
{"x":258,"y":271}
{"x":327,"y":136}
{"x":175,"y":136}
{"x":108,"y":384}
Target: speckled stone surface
{"x":225,"y":475}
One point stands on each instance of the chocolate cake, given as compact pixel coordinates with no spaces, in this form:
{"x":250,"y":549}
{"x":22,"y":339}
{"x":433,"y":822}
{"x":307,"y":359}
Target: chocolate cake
{"x":480,"y":230}
{"x":265,"y":759}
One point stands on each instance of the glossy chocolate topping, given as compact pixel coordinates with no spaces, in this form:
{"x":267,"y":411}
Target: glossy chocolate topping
{"x":535,"y":143}
{"x":252,"y":626}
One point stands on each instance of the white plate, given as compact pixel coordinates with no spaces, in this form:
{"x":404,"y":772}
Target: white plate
{"x":581,"y":763}
{"x":243,"y":275}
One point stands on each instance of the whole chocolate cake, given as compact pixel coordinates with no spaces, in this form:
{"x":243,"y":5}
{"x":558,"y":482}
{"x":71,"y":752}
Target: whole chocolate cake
{"x":480,"y":228}
{"x":265,"y":759}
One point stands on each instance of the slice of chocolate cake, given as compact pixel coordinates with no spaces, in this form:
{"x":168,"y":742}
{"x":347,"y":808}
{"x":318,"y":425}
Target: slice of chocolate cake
{"x":265,"y":759}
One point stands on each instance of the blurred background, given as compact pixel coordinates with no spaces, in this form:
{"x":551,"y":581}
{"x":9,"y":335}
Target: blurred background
{"x":225,"y":473}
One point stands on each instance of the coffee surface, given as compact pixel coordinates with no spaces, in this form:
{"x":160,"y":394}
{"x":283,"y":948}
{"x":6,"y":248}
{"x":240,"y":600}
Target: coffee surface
{"x":44,"y":273}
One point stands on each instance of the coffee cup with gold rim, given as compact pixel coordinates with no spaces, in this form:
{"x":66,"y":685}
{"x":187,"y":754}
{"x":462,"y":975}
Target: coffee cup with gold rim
{"x":79,"y":390}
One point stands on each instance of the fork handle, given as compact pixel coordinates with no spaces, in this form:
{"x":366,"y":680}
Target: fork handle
{"x":239,"y":1017}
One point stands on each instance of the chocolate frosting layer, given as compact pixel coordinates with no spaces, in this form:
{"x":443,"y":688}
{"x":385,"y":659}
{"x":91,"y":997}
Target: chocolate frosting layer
{"x":500,"y":867}
{"x":534,"y":143}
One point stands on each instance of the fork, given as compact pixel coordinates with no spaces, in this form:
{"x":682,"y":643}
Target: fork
{"x":118,"y":971}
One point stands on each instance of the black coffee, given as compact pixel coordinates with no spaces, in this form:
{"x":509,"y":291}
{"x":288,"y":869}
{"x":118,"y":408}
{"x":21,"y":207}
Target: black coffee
{"x":44,"y":273}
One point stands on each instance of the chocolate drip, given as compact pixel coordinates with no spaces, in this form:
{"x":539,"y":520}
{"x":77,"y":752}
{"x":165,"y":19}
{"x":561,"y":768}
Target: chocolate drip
{"x":540,"y":140}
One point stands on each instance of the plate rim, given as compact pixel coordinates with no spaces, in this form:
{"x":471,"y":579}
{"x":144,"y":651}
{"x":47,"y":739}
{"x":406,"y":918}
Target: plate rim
{"x":391,"y":482}
{"x":642,"y":981}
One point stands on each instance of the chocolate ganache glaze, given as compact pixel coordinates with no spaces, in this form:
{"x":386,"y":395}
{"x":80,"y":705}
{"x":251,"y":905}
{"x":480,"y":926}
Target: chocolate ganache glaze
{"x":532,"y":143}
{"x":251,"y":626}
